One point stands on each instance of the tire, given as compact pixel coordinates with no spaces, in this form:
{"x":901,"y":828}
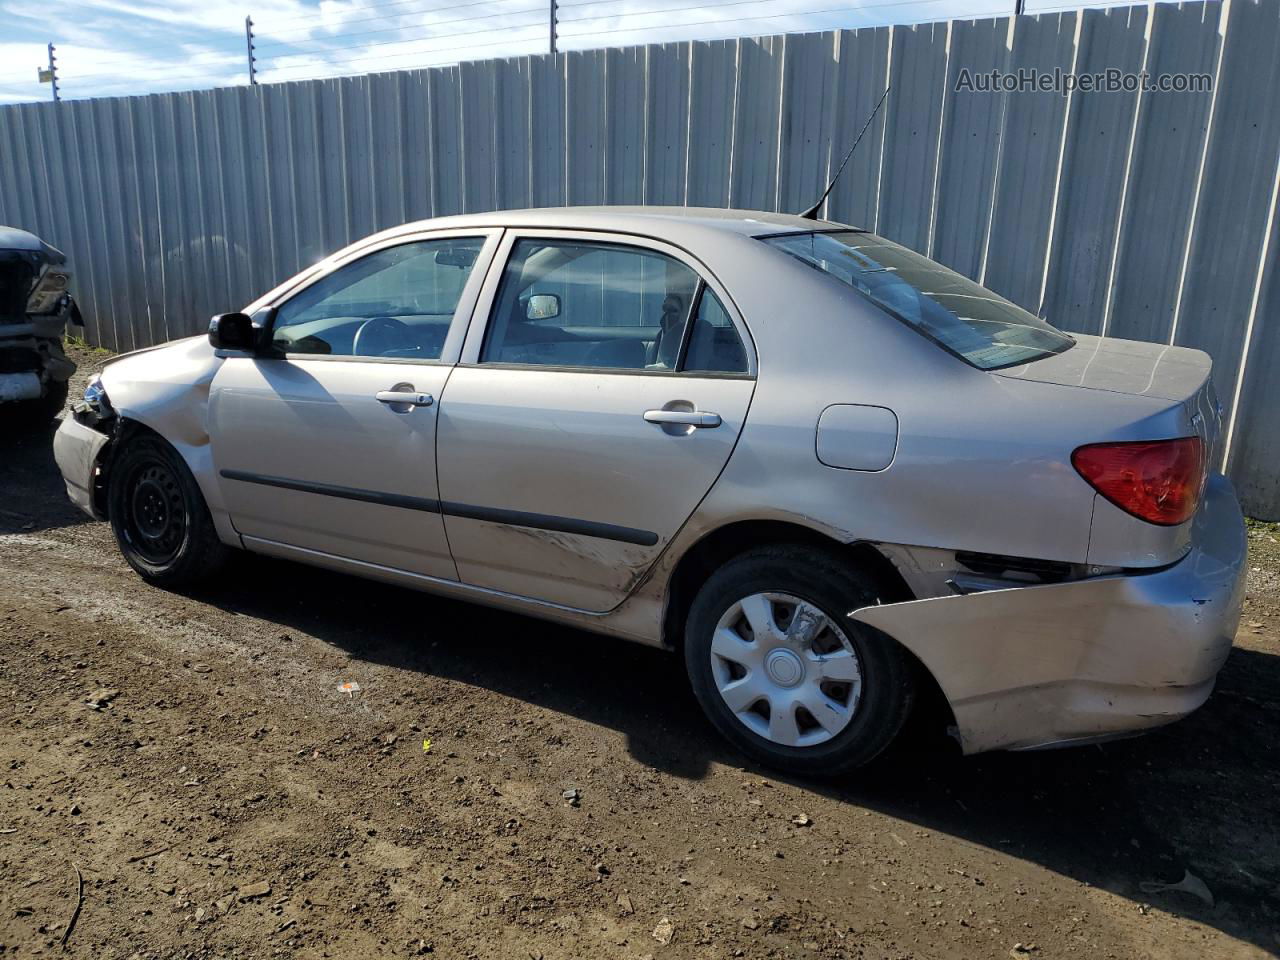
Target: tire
{"x":159,"y":516}
{"x":864,"y":678}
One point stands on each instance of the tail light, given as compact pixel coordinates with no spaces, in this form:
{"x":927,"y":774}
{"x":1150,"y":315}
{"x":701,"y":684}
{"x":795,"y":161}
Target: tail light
{"x":1158,"y":480}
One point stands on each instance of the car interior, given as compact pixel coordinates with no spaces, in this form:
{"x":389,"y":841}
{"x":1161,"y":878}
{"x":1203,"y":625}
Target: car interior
{"x":561,"y":303}
{"x":600,"y":306}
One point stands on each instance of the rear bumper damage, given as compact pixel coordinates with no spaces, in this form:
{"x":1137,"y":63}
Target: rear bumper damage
{"x":1055,"y":664}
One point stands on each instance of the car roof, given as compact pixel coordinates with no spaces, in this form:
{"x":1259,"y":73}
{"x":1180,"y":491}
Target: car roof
{"x":641,"y":219}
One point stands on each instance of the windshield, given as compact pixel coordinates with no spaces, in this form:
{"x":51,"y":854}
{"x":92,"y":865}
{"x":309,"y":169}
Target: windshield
{"x":970,"y":321}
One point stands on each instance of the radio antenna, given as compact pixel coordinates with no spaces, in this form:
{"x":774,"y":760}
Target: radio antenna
{"x":812,"y":212}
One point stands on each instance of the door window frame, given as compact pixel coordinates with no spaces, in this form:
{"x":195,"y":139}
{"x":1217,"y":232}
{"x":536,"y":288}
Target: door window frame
{"x":462,"y":314}
{"x":483,"y":313}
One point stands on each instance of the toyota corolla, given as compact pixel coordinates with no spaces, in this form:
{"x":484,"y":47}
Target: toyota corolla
{"x":833,"y":474}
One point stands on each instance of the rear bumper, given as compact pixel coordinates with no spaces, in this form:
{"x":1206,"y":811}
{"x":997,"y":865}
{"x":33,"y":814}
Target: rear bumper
{"x":1091,"y":659}
{"x":76,"y":449}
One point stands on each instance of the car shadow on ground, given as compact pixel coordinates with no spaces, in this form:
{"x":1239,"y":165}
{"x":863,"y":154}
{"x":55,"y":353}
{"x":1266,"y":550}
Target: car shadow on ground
{"x":1199,"y":795}
{"x":37,"y":500}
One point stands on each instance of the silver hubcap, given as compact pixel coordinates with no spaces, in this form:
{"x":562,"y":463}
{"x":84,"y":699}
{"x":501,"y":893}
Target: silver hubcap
{"x":785,"y":669}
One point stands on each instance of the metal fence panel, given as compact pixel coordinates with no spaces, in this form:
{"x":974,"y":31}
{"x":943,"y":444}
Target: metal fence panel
{"x":1230,"y":223}
{"x":969,"y":152}
{"x":1144,"y":214}
{"x":861,"y":79}
{"x":753,"y":177}
{"x":1164,"y":174}
{"x":1093,"y":179}
{"x":913,"y":116}
{"x":1027,"y":176}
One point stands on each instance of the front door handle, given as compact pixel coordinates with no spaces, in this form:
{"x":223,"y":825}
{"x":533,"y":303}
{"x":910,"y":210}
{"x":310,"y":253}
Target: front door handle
{"x":687,"y":418}
{"x":405,"y":397}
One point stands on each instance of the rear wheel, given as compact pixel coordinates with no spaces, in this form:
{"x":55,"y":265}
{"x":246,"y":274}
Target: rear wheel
{"x":159,"y":516}
{"x":784,"y":674}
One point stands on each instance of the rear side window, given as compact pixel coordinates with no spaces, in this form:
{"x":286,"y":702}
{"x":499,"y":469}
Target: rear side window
{"x":714,"y":344}
{"x":964,"y":318}
{"x":569,"y":303}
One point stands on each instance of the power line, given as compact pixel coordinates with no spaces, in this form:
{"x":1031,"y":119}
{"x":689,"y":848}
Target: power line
{"x":160,"y":77}
{"x":125,"y":65}
{"x":110,"y":81}
{"x":126,"y":59}
{"x":643,"y":13}
{"x":306,"y":31}
{"x":771,"y":16}
{"x":359,"y":72}
{"x":511,"y":41}
{"x":601,"y":3}
{"x":432,"y":45}
{"x":371,"y":6}
{"x":367,"y":33}
{"x":422,"y":39}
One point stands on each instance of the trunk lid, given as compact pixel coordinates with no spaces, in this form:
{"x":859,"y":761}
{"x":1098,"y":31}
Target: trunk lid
{"x":1135,"y":368}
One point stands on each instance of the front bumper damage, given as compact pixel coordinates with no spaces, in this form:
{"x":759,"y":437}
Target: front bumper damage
{"x":76,"y":449}
{"x":1055,"y":664}
{"x":35,"y":309}
{"x":31,"y":357}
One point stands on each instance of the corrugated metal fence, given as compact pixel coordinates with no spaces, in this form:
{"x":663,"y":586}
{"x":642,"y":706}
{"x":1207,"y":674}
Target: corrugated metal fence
{"x":1144,"y":215}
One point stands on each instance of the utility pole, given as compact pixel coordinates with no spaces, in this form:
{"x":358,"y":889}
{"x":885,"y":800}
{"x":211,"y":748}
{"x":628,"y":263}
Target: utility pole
{"x":553,"y":27}
{"x":248,"y":43}
{"x":50,"y":74}
{"x":1019,"y":7}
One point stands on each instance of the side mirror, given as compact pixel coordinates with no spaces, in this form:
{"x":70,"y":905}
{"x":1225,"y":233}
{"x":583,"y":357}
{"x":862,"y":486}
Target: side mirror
{"x":542,"y":306}
{"x":231,"y":331}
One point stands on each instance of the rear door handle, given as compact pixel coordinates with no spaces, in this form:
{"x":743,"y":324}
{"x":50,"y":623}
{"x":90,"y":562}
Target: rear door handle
{"x":688,"y":418}
{"x":403,"y":396}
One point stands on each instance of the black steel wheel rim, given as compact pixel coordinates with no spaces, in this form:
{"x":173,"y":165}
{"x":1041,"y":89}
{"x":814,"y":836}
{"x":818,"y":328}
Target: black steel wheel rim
{"x":155,"y":511}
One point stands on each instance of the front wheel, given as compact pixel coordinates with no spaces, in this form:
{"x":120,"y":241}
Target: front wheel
{"x":159,"y":516}
{"x":784,"y":674}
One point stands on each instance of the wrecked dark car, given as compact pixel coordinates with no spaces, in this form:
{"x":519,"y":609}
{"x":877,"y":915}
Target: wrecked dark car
{"x":35,"y":309}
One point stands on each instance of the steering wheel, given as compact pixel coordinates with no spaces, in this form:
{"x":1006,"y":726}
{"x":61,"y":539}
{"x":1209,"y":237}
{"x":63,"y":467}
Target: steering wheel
{"x":379,"y":336}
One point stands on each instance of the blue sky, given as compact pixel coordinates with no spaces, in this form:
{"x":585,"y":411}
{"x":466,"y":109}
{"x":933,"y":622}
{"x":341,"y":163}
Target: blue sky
{"x":119,"y":47}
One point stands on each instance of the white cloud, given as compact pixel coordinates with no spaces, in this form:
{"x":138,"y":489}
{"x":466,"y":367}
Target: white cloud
{"x":119,"y":47}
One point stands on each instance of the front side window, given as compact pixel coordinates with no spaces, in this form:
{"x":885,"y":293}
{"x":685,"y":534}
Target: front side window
{"x":568,"y":303}
{"x":396,"y":303}
{"x":969,"y":320}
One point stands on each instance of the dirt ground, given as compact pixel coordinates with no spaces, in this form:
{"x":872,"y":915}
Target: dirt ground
{"x":191,"y":757}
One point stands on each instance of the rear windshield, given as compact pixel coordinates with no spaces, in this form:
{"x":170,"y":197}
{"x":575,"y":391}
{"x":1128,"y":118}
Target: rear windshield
{"x":970,"y":321}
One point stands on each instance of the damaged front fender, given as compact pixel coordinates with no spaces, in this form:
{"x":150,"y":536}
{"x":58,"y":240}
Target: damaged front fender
{"x":1059,"y":663}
